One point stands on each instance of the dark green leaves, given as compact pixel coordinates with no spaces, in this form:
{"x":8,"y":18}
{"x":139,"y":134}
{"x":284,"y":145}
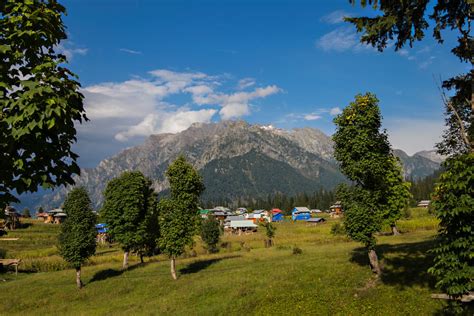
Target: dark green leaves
{"x":453,"y":202}
{"x":39,"y":99}
{"x":130,"y":212}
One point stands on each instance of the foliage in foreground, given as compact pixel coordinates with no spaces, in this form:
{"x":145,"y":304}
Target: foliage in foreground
{"x":40,"y":102}
{"x":77,"y":237}
{"x":454,"y":206}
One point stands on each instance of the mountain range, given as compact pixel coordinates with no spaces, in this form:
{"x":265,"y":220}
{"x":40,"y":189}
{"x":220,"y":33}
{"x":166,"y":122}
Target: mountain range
{"x":237,"y":160}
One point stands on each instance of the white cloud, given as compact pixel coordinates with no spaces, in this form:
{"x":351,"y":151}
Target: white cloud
{"x":234,"y":110}
{"x":335,"y":17}
{"x":166,"y":122}
{"x":130,"y":51}
{"x":342,"y":39}
{"x":141,"y":106}
{"x":403,"y":52}
{"x":69,"y":50}
{"x":335,"y":111}
{"x":426,"y":62}
{"x":245,"y":83}
{"x":311,"y":117}
{"x":413,"y":135}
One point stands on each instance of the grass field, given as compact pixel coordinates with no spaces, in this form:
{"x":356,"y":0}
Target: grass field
{"x":330,"y":276}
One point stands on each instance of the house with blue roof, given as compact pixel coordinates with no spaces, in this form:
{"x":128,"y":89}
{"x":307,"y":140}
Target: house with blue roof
{"x":300,"y":213}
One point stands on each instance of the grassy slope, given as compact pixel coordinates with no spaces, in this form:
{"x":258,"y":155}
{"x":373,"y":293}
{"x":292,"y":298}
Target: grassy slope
{"x":330,"y":276}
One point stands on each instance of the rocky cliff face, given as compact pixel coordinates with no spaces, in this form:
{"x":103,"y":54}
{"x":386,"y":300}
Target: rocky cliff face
{"x":236,"y":159}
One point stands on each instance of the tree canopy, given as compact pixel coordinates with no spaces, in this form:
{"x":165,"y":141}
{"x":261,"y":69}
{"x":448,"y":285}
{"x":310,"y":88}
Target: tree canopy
{"x":406,"y":22}
{"x":39,"y":99}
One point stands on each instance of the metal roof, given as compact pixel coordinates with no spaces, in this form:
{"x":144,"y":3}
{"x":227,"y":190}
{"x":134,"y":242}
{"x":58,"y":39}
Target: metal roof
{"x":242,"y":224}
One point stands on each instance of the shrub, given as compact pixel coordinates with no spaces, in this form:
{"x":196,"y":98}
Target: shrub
{"x":210,"y":234}
{"x":297,"y":250}
{"x":338,"y":229}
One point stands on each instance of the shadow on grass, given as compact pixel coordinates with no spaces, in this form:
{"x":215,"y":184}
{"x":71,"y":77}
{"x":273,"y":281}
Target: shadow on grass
{"x":403,"y":265}
{"x":110,"y":273}
{"x":197,"y":266}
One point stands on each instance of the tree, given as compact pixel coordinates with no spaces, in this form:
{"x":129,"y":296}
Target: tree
{"x":26,"y":212}
{"x":269,"y":232}
{"x":210,"y":233}
{"x":366,"y":158}
{"x":179,"y":214}
{"x":453,"y":203}
{"x":405,"y":21}
{"x":39,"y":99}
{"x":130,"y":213}
{"x":77,"y":237}
{"x":396,"y":195}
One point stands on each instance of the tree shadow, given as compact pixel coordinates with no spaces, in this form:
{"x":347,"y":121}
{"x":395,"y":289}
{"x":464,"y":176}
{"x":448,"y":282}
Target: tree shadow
{"x":110,"y":273}
{"x":403,"y":265}
{"x":197,"y":266}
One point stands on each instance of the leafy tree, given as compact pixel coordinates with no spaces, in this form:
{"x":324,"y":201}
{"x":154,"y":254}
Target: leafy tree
{"x":365,"y":157}
{"x":269,"y":232}
{"x":396,"y":195}
{"x":406,"y":22}
{"x":179,"y":214}
{"x":453,"y":203}
{"x":39,"y":99}
{"x":130,"y":213}
{"x":210,"y":233}
{"x":26,"y":212}
{"x":77,"y":237}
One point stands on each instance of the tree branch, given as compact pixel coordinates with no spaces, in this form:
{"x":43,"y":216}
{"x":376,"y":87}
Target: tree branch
{"x":460,"y":122}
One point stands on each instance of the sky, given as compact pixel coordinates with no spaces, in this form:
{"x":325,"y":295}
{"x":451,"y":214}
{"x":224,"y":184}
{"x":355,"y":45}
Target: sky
{"x":150,"y":67}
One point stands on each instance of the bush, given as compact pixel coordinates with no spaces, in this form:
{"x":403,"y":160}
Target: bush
{"x":406,"y":213}
{"x":210,"y":234}
{"x":338,"y":229}
{"x":297,"y":250}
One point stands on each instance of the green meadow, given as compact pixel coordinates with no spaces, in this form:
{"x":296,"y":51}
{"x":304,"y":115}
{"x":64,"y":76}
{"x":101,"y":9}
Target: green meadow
{"x":329,"y":276}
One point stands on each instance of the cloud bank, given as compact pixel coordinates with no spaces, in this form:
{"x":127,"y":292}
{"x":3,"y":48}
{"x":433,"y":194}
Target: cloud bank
{"x":144,"y":106}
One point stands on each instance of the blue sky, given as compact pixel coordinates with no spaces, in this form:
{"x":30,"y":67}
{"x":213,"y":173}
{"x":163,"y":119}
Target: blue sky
{"x":157,"y":66}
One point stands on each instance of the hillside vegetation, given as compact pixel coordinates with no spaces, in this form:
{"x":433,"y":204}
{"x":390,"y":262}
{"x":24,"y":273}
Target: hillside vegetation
{"x":329,"y":276}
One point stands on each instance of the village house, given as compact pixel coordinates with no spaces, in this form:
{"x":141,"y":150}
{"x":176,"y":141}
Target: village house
{"x":12,"y":218}
{"x":300,"y":213}
{"x":315,"y":220}
{"x":55,"y":216}
{"x":241,"y":226}
{"x":277,"y":215}
{"x":424,"y":203}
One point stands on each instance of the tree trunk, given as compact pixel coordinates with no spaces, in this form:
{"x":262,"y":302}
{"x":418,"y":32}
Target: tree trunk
{"x":141,"y":258}
{"x":395,"y":231}
{"x":125,"y":260}
{"x":173,"y":268}
{"x":78,"y":278}
{"x":374,"y":262}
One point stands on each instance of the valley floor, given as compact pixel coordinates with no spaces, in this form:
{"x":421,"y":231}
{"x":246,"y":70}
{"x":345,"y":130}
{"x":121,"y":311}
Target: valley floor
{"x":330,"y":276}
